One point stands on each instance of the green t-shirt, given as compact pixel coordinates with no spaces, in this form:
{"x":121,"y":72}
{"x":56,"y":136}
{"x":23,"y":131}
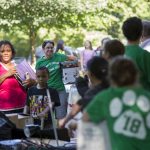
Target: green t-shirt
{"x":142,"y":60}
{"x":55,"y":79}
{"x":127,"y":112}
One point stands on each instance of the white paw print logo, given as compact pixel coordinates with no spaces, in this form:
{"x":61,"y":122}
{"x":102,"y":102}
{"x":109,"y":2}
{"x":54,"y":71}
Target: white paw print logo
{"x":130,"y":122}
{"x":115,"y":107}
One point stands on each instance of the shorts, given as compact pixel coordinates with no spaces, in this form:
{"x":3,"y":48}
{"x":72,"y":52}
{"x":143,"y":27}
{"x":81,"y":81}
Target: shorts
{"x":61,"y":111}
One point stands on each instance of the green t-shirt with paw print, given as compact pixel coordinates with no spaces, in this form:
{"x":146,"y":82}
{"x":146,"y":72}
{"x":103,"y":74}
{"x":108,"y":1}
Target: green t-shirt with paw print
{"x":127,"y":112}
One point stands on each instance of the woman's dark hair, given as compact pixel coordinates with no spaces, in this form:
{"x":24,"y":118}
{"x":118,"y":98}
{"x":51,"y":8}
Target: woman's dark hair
{"x":114,"y":48}
{"x":123,"y":71}
{"x":132,"y":28}
{"x":60,"y":45}
{"x":98,"y":66}
{"x":5,"y":42}
{"x":47,"y":41}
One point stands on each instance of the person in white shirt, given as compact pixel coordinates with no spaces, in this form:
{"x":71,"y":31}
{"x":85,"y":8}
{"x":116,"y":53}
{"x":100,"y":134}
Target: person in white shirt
{"x":145,"y":39}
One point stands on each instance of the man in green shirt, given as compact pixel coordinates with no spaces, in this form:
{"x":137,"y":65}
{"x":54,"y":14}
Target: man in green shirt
{"x":132,"y":29}
{"x":125,"y":107}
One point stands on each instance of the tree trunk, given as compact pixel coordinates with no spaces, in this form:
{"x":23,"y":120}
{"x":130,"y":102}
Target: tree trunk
{"x":32,"y":45}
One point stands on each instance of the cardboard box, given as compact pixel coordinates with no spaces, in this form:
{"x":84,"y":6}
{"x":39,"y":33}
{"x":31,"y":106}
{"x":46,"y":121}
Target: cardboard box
{"x":13,"y":118}
{"x":24,"y":120}
{"x":19,"y":120}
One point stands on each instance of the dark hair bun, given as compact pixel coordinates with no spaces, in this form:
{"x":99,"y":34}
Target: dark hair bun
{"x":98,"y":66}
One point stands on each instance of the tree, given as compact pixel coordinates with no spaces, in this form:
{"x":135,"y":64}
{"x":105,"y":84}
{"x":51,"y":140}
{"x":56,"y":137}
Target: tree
{"x":111,"y":17}
{"x":29,"y":16}
{"x":103,"y":15}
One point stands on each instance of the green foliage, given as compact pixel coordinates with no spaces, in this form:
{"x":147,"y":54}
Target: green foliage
{"x":74,"y":37}
{"x":19,"y":40}
{"x":22,"y":20}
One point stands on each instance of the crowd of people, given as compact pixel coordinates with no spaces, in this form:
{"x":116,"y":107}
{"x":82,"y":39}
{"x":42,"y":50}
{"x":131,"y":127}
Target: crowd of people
{"x":116,"y":86}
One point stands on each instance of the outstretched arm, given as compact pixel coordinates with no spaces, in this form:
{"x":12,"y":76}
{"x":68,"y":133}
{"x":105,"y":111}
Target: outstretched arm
{"x":71,"y":57}
{"x":75,"y":110}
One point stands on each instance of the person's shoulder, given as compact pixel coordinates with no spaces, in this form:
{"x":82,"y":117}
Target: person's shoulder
{"x":40,"y":60}
{"x":134,"y":48}
{"x":32,"y":88}
{"x":58,"y":55}
{"x":104,"y":93}
{"x":92,"y":91}
{"x":142,"y":91}
{"x":98,"y":88}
